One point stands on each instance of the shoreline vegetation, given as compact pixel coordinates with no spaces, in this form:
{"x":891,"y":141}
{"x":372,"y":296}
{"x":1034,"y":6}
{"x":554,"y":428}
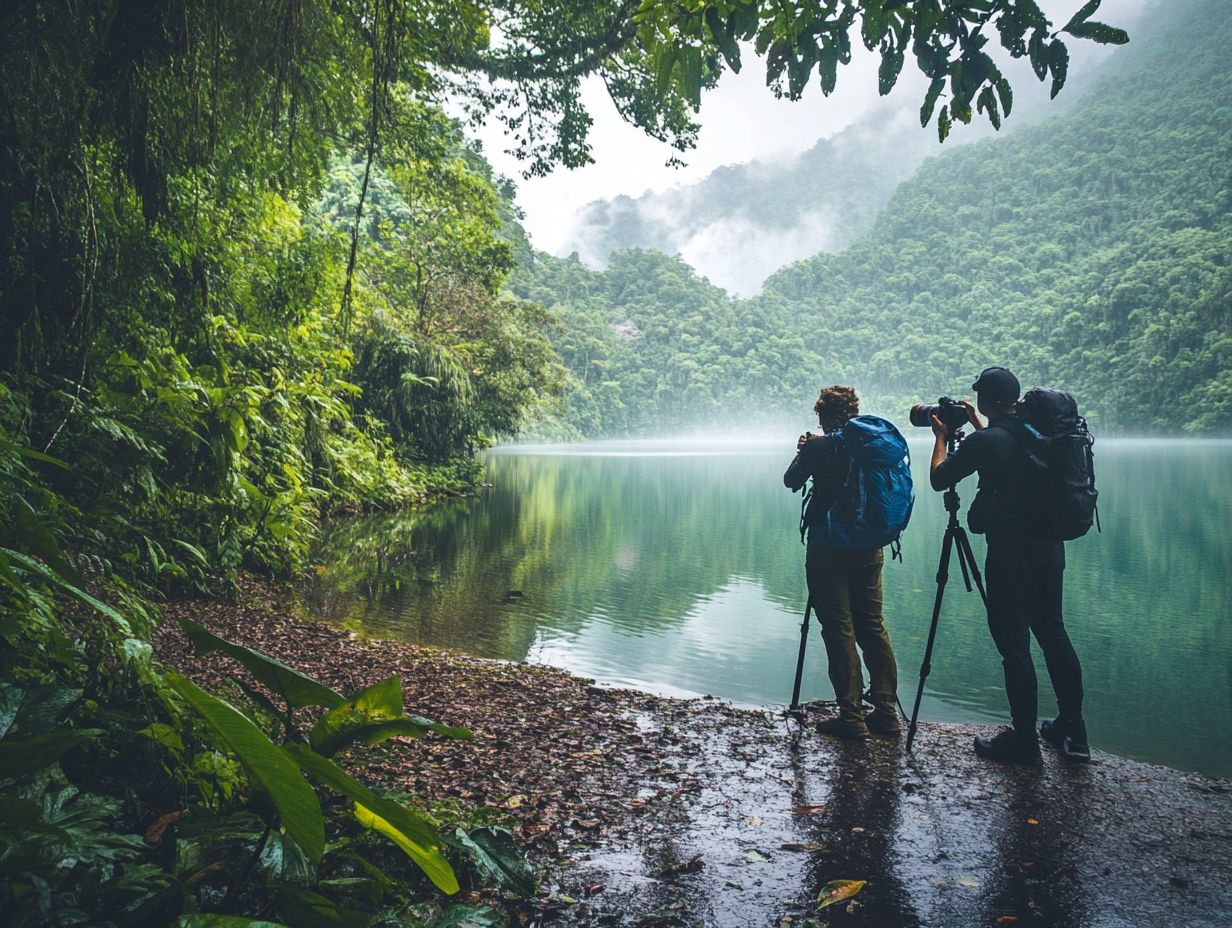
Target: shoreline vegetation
{"x":253,"y":272}
{"x":646,"y":810}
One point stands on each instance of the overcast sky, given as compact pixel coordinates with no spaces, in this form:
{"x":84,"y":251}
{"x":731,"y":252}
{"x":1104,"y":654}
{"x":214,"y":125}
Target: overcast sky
{"x":740,"y":121}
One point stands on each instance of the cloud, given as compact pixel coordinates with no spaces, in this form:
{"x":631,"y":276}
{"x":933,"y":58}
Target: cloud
{"x":738,"y":254}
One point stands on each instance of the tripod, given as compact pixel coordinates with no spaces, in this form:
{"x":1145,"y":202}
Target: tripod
{"x":794,"y":709}
{"x":804,"y":627}
{"x":955,"y":538}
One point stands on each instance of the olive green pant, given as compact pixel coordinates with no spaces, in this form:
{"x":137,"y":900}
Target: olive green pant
{"x":845,"y":590}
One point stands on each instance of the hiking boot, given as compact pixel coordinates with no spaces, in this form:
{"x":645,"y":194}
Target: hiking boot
{"x":883,"y":723}
{"x":841,"y":728}
{"x":1069,"y":736}
{"x":1053,"y":730}
{"x":1011,"y":746}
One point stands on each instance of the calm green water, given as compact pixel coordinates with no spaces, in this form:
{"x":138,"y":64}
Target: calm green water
{"x":652,"y":566}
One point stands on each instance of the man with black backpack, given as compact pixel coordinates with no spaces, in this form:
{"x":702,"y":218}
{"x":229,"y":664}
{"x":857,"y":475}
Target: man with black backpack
{"x":861,"y":500}
{"x":1025,"y":561}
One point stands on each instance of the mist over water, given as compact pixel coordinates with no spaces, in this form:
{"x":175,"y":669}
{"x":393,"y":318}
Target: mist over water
{"x":677,"y":567}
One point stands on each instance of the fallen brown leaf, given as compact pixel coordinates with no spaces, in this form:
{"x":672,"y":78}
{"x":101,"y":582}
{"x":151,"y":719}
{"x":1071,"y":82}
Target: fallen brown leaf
{"x":807,"y":810}
{"x":154,"y":833}
{"x":688,"y":866}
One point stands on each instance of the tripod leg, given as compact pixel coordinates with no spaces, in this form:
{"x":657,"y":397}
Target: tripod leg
{"x":962,"y":562}
{"x":804,"y":628}
{"x":943,"y":576}
{"x":967,"y":557}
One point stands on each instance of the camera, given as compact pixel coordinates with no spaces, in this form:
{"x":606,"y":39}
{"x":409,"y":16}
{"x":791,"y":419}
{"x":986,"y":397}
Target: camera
{"x":951,"y":413}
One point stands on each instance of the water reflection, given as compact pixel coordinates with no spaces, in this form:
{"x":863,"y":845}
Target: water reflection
{"x":661,"y":567}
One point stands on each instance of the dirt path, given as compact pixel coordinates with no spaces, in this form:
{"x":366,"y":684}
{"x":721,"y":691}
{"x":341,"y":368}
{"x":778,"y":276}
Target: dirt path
{"x":656,"y":812}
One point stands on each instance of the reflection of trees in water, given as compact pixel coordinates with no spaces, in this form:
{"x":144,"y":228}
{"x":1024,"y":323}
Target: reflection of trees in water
{"x":643,"y":541}
{"x":1143,"y":605}
{"x":644,"y":538}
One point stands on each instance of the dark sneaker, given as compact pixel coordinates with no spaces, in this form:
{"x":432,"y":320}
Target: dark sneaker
{"x":841,"y":728}
{"x":1069,"y":737}
{"x":883,"y":723}
{"x":1011,"y":747}
{"x":1075,"y":745}
{"x":1053,"y":730}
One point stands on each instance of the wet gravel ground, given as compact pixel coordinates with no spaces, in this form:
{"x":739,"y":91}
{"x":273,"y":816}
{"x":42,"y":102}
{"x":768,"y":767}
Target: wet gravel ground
{"x":942,"y":837}
{"x":647,"y":812}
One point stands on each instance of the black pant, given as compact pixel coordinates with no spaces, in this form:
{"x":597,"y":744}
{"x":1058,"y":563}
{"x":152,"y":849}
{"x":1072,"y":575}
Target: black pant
{"x":1024,"y":597}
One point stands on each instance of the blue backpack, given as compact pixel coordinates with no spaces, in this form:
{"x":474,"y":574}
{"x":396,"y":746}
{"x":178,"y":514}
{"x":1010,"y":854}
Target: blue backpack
{"x":877,"y":496}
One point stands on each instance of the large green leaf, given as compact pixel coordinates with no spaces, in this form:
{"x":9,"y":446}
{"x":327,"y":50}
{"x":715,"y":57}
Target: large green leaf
{"x":1099,"y":32}
{"x":373,"y":715}
{"x":930,"y":100}
{"x":1058,"y":64}
{"x":28,"y":563}
{"x":35,"y":710}
{"x":11,"y":698}
{"x":206,"y":920}
{"x":499,"y":858}
{"x":306,"y":909}
{"x":1087,"y":11}
{"x":412,"y":831}
{"x":27,"y":815}
{"x":38,"y":539}
{"x":6,"y":445}
{"x":295,"y":800}
{"x":296,"y":688}
{"x":29,"y":755}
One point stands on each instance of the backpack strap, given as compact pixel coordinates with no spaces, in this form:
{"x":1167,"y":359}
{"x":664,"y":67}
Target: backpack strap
{"x":810,"y":485}
{"x":806,"y":493}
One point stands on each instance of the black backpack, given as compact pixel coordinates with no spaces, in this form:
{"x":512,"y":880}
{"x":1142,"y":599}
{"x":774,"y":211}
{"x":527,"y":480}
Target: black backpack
{"x":1058,"y":484}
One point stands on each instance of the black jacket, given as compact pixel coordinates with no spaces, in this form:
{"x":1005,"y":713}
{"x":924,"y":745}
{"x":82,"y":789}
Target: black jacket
{"x":996,"y":511}
{"x":826,"y":460}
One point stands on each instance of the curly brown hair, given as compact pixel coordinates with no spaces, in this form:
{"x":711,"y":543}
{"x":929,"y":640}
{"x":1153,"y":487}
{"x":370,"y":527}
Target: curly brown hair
{"x":836,"y":405}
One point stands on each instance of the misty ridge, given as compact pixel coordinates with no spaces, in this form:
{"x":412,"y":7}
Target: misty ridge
{"x":743,"y":222}
{"x":1087,"y":249}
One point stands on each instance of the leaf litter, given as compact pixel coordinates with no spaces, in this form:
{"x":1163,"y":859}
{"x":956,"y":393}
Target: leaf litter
{"x":607,"y":789}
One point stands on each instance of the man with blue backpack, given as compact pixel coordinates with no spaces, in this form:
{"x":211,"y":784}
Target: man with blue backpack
{"x":860,"y":502}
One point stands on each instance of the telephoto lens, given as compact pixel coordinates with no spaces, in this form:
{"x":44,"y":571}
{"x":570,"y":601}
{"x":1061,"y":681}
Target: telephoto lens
{"x":922,"y":415}
{"x":949,"y":411}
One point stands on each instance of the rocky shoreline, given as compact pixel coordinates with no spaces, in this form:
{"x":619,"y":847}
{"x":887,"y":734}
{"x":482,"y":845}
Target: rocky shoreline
{"x":648,"y":811}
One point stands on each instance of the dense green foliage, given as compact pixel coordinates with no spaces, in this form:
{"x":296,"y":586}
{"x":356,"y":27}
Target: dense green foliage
{"x":1089,"y":252}
{"x":1105,"y":272}
{"x":654,"y":349}
{"x":207,"y":343}
{"x":133,"y":797}
{"x":250,"y":274}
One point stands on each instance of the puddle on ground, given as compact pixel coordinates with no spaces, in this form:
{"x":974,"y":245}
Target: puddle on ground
{"x":753,"y":819}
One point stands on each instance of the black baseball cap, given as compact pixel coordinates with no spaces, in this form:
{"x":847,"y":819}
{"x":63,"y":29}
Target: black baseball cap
{"x":997,"y":384}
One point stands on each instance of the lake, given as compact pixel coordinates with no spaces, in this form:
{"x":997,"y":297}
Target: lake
{"x":676,"y":567}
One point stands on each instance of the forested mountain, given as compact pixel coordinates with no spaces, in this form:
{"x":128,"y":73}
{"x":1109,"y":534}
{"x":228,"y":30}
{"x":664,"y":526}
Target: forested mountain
{"x":1090,"y":252}
{"x":251,"y":274}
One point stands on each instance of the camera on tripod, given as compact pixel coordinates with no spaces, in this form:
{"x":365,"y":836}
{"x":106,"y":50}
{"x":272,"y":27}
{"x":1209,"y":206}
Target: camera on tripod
{"x":953,"y":414}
